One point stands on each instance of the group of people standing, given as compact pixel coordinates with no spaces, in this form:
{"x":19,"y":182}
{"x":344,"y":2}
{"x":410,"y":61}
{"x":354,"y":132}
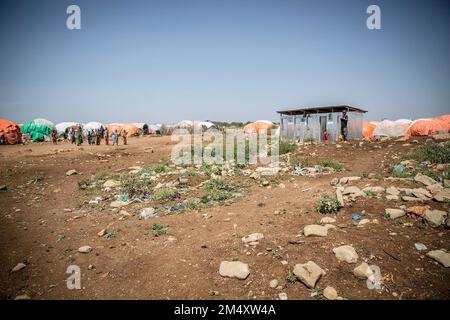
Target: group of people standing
{"x":94,"y":136}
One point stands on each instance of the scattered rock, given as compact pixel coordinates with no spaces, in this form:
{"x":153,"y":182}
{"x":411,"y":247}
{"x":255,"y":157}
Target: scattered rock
{"x":363,"y":222}
{"x":353,"y":191}
{"x":327,"y":220}
{"x":315,"y":230}
{"x":102,"y":233}
{"x":418,"y":210}
{"x":22,"y":297}
{"x":330,"y":293}
{"x":273,"y":284}
{"x":339,"y":196}
{"x":283,"y":296}
{"x":345,"y":180}
{"x":309,"y":273}
{"x":18,"y":267}
{"x":363,"y":271}
{"x":374,"y":189}
{"x":110,"y":184}
{"x":84,"y":249}
{"x":71,"y":172}
{"x":420,"y":246}
{"x":148,"y":213}
{"x":426,"y":180}
{"x":234,"y":269}
{"x":435,"y":217}
{"x":392,"y":197}
{"x":393,"y":191}
{"x":253,"y":237}
{"x":346,"y":253}
{"x":435,"y":188}
{"x":440,"y":256}
{"x":442,"y":195}
{"x":395,"y":213}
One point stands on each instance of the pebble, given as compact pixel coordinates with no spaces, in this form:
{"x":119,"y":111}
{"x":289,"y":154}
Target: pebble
{"x":18,"y":267}
{"x":85,"y":249}
{"x":274,"y":283}
{"x":330,"y":293}
{"x":283,"y":296}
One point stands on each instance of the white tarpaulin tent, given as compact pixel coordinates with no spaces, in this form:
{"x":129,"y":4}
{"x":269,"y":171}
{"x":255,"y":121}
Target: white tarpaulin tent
{"x":61,"y":127}
{"x":92,"y":126}
{"x":388,"y":128}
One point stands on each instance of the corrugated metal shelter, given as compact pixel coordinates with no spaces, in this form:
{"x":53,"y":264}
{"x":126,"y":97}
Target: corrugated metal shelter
{"x":308,"y":124}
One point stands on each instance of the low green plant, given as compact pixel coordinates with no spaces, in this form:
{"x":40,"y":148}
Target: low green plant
{"x":291,"y":278}
{"x":165,"y":194}
{"x":37,"y":177}
{"x":330,"y":164}
{"x":328,"y":205}
{"x":158,"y":229}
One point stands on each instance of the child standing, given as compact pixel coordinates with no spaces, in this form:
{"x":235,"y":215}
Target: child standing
{"x":115,"y":138}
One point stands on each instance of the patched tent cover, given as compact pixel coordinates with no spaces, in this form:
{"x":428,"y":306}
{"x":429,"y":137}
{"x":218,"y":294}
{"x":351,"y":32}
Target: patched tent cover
{"x":426,"y":127}
{"x":38,"y":129}
{"x":10,"y":132}
{"x":368,"y":129}
{"x":388,"y":128}
{"x":445,"y":118}
{"x":258,"y":126}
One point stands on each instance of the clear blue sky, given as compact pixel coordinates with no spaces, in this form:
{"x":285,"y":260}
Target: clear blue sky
{"x":163,"y":61}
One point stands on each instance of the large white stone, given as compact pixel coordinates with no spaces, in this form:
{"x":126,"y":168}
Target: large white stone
{"x":424,"y":179}
{"x":440,"y":256}
{"x":253,"y":237}
{"x":309,"y":273}
{"x":363,"y":271}
{"x":435,"y":217}
{"x":394,"y":213}
{"x":234,"y":269}
{"x":315,"y":230}
{"x":346,"y":253}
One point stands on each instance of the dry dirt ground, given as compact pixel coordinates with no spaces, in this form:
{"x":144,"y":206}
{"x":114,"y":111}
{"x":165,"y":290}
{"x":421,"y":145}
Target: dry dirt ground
{"x":35,"y":229}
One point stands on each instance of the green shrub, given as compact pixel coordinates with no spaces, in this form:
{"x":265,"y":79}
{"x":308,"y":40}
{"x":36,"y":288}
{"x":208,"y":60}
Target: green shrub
{"x":135,"y":186}
{"x":165,"y":194}
{"x":37,"y":177}
{"x":433,"y":152}
{"x":158,"y":229}
{"x":330,"y":164}
{"x":286,"y":147}
{"x":328,"y":205}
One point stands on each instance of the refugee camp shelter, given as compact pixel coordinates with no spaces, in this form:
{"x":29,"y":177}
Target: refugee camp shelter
{"x":309,"y":124}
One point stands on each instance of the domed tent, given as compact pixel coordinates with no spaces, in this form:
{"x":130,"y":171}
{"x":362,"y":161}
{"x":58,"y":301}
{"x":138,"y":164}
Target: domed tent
{"x":92,"y":126}
{"x":368,"y":129}
{"x":9,"y":132}
{"x":404,"y":122}
{"x":426,"y":127}
{"x":445,"y":118}
{"x":258,"y":126}
{"x":154,"y":128}
{"x":185,"y":124}
{"x":38,"y":129}
{"x":388,"y":128}
{"x":131,"y":129}
{"x":63,"y":126}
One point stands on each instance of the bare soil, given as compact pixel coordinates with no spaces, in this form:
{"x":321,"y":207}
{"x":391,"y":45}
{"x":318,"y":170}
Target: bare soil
{"x":134,"y":264}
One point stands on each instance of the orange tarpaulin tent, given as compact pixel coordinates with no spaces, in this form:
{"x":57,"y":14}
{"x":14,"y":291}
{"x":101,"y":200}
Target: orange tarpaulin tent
{"x":426,"y":127}
{"x":9,"y":132}
{"x":445,"y":118}
{"x":258,"y":126}
{"x":368,"y":129}
{"x":131,"y":129}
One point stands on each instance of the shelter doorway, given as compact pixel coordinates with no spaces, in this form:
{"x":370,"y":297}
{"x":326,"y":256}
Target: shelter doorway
{"x":322,"y":126}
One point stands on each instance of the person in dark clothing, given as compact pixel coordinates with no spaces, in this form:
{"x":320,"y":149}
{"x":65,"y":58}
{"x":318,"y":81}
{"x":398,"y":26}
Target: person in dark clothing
{"x":344,"y":121}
